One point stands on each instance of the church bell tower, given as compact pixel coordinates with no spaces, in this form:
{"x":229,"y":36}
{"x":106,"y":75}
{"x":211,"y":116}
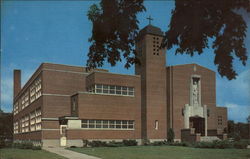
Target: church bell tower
{"x":152,"y":69}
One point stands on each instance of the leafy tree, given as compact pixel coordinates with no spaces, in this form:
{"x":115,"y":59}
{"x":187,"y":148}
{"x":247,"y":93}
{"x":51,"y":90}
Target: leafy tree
{"x":171,"y":135}
{"x":6,"y":125}
{"x":115,"y":28}
{"x":193,"y":22}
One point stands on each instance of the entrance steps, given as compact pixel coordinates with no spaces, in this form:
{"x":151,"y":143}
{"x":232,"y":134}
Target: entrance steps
{"x":209,"y":138}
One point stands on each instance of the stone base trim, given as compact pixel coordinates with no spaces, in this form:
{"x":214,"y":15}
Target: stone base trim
{"x":51,"y":142}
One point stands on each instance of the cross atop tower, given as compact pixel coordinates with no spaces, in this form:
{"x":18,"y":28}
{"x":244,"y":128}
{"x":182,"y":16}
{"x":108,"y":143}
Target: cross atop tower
{"x":149,"y":19}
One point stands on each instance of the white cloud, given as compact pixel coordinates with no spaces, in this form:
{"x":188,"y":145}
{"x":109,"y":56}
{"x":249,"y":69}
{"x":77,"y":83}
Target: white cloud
{"x":235,"y":95}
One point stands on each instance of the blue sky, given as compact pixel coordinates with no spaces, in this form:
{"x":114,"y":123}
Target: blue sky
{"x":33,"y":32}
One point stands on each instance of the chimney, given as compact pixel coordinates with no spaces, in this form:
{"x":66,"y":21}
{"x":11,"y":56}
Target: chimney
{"x":17,"y":82}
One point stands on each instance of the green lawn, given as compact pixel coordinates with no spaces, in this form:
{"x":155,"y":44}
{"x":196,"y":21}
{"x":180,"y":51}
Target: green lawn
{"x":164,"y":152}
{"x":11,"y":153}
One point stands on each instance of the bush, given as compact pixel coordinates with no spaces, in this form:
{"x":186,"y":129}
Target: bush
{"x":85,"y":143}
{"x":2,"y":143}
{"x":222,"y":144}
{"x":26,"y":145}
{"x":158,"y":143}
{"x":171,"y":135}
{"x":36,"y":147}
{"x":129,"y":142}
{"x":115,"y":144}
{"x":240,"y":145}
{"x":203,"y":145}
{"x":146,"y":142}
{"x":97,"y":144}
{"x":180,"y":144}
{"x":236,"y":136}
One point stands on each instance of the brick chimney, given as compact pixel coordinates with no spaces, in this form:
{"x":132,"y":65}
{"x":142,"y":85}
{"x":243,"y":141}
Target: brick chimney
{"x":17,"y":82}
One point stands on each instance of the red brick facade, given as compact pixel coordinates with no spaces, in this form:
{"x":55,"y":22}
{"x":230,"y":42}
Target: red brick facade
{"x":102,"y":105}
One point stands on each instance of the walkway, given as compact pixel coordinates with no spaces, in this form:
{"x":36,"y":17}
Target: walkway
{"x":68,"y":154}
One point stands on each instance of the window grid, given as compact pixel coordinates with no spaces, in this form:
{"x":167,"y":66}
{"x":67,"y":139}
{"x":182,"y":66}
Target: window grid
{"x":108,"y":124}
{"x":219,"y":120}
{"x":16,"y":107}
{"x":111,"y":89}
{"x":30,"y":122}
{"x":15,"y":127}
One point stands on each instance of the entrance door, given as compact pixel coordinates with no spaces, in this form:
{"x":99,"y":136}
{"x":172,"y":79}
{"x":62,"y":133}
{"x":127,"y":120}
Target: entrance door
{"x":63,"y":139}
{"x":198,"y":123}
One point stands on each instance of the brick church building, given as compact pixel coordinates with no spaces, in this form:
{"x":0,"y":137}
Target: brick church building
{"x":61,"y":105}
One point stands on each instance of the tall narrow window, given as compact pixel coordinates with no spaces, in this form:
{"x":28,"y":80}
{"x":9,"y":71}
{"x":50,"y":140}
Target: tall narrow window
{"x":156,"y":125}
{"x":74,"y":105}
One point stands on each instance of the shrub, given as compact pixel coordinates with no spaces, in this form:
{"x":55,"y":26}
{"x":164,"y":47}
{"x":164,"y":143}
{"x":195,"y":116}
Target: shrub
{"x":146,"y":142}
{"x":240,"y":145}
{"x":36,"y":147}
{"x":97,"y":144}
{"x":26,"y":145}
{"x":85,"y":143}
{"x":2,"y":143}
{"x":158,"y":143}
{"x":236,"y":136}
{"x":203,"y":145}
{"x":129,"y":142}
{"x":115,"y":144}
{"x":223,"y":144}
{"x":170,"y":135}
{"x":180,"y":144}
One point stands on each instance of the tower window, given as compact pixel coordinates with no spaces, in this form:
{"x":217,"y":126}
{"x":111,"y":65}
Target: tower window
{"x":219,"y":120}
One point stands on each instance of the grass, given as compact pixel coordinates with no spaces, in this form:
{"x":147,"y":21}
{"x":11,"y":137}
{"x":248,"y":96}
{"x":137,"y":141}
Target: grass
{"x":163,"y":152}
{"x":12,"y":153}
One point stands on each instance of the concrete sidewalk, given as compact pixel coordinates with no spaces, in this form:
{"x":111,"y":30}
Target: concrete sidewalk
{"x":68,"y":154}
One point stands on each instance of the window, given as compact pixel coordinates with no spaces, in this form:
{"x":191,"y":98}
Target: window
{"x":156,"y":125}
{"x":74,"y":105}
{"x":16,"y":127}
{"x":84,"y":123}
{"x":124,"y":90}
{"x":111,"y":89}
{"x":98,"y":88}
{"x":105,"y":89}
{"x":108,"y":124}
{"x":118,"y":89}
{"x":16,"y":107}
{"x":219,"y":120}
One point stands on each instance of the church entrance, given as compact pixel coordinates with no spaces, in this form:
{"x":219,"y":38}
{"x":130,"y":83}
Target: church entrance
{"x":198,"y":123}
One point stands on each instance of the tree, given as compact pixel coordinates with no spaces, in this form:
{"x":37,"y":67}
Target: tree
{"x":248,"y":119}
{"x":171,"y":135}
{"x":115,"y":28}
